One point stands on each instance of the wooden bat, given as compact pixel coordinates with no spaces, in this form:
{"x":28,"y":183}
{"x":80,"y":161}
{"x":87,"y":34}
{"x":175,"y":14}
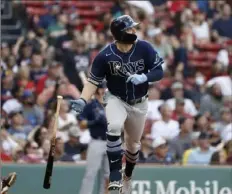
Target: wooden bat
{"x":49,"y":167}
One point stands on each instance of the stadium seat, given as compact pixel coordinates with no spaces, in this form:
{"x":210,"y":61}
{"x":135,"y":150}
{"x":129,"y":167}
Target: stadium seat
{"x":209,"y":46}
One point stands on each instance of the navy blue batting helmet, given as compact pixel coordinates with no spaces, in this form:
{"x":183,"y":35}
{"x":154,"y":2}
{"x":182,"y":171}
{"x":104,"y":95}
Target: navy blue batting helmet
{"x":119,"y":26}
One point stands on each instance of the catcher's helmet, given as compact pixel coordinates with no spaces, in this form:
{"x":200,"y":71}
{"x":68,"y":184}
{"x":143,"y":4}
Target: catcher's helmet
{"x":119,"y":26}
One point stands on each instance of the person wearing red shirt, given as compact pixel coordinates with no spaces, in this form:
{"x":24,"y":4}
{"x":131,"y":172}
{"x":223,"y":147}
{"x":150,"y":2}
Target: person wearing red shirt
{"x":54,"y":70}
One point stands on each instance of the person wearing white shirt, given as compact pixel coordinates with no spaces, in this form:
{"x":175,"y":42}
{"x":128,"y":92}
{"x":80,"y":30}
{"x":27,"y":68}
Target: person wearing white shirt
{"x":178,"y":92}
{"x":154,"y":103}
{"x":225,"y":83}
{"x":65,"y":120}
{"x":166,"y":128}
{"x":200,"y":27}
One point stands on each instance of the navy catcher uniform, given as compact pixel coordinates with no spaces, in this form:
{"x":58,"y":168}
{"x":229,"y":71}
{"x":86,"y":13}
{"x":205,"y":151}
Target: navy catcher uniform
{"x":128,"y":65}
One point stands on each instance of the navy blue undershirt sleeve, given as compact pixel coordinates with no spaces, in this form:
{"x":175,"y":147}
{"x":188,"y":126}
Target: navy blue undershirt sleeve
{"x":154,"y":63}
{"x":98,"y":70}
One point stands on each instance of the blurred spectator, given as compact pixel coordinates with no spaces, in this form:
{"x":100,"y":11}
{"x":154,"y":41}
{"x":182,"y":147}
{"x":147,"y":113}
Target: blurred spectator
{"x":7,"y":84}
{"x":76,"y":62}
{"x":146,"y":149}
{"x":162,"y":46}
{"x":160,"y":152}
{"x":57,"y":29}
{"x":226,"y":133}
{"x":165,"y":128}
{"x":225,"y":119}
{"x":194,"y":144}
{"x":65,"y":120}
{"x":63,"y":87}
{"x":53,"y":73}
{"x":37,"y":69}
{"x":60,"y":154}
{"x":33,"y":114}
{"x":39,"y":135}
{"x":90,"y":36}
{"x":228,"y":150}
{"x":218,"y":158}
{"x":9,"y":64}
{"x":178,"y":92}
{"x":17,"y":128}
{"x":183,"y":141}
{"x":24,"y":53}
{"x":201,"y":123}
{"x":225,"y":83}
{"x":23,"y":79}
{"x":223,"y":26}
{"x":203,"y":153}
{"x":65,"y":42}
{"x":153,"y":104}
{"x":179,"y":110}
{"x":8,"y":144}
{"x":200,"y":27}
{"x":180,"y":62}
{"x":5,"y":53}
{"x":32,"y":154}
{"x":50,"y":18}
{"x":211,"y":102}
{"x":73,"y":147}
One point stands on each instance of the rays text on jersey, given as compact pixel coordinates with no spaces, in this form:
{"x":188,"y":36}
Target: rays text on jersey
{"x":122,"y":69}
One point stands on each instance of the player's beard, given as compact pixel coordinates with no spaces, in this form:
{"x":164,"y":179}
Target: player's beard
{"x":128,"y":38}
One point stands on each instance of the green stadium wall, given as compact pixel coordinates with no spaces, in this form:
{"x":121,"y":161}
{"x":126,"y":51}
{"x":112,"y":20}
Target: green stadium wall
{"x":67,"y":179}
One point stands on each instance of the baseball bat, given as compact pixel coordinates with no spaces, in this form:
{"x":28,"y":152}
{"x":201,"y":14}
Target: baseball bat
{"x":50,"y":161}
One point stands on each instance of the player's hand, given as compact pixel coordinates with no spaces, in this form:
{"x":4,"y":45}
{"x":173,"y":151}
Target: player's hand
{"x":137,"y":79}
{"x":78,"y":105}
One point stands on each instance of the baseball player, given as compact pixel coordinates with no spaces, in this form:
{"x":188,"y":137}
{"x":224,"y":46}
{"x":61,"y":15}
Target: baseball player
{"x":93,"y":117}
{"x":128,"y":65}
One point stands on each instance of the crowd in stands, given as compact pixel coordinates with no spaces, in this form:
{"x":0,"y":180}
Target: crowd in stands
{"x":189,"y":120}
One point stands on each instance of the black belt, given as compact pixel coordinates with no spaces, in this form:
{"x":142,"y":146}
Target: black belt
{"x":136,"y":101}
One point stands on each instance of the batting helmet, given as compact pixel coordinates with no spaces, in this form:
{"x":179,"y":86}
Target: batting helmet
{"x":119,"y":26}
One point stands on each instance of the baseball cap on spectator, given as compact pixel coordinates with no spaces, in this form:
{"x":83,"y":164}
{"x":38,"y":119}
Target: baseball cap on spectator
{"x":74,"y":131}
{"x":154,"y":32}
{"x":195,"y":135}
{"x":14,"y":113}
{"x":203,"y":135}
{"x":12,"y":105}
{"x":157,"y":142}
{"x":180,"y":101}
{"x":177,"y":85}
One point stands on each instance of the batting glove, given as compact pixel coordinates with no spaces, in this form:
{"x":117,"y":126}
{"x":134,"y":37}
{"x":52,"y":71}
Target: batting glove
{"x":78,"y":105}
{"x":137,"y":79}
